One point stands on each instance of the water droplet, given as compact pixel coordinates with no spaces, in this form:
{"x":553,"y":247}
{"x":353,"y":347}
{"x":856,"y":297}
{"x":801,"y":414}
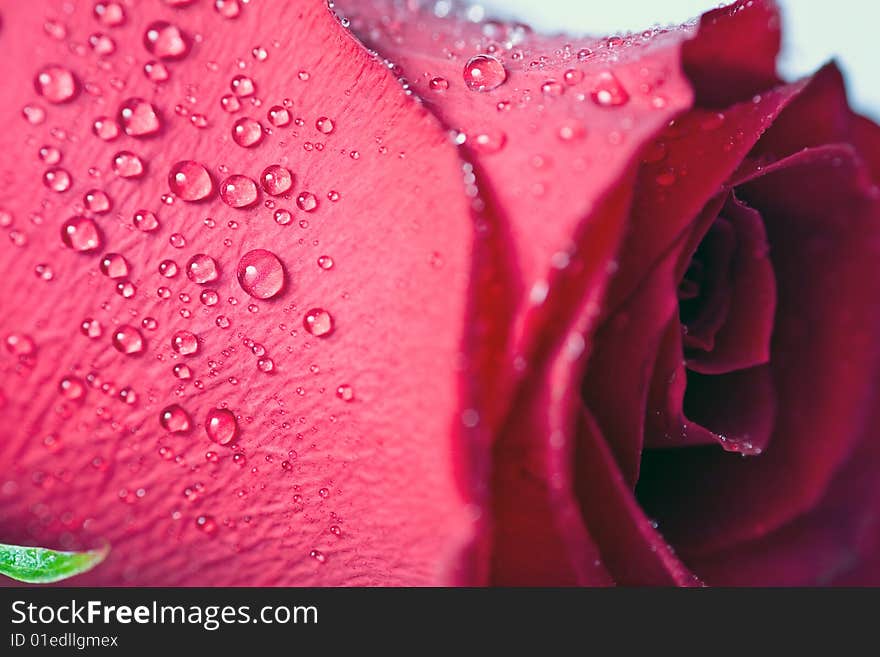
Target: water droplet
{"x":318,"y":322}
{"x":177,"y":240}
{"x":207,"y":524}
{"x":105,"y":128}
{"x":552,"y":88}
{"x":19,"y":344}
{"x":145,"y":221}
{"x":230,"y":103}
{"x":139,"y":118}
{"x":345,"y":392}
{"x":221,"y":426}
{"x":238,"y":191}
{"x":168,"y":268}
{"x":174,"y":419}
{"x":484,"y":73}
{"x":209,"y":297}
{"x":33,"y":114}
{"x":81,"y":234}
{"x":242,"y":86}
{"x":489,"y":142}
{"x":56,"y":84}
{"x":57,"y":179}
{"x":571,"y":130}
{"x":318,"y":556}
{"x":325,"y":262}
{"x":97,"y":201}
{"x":438,"y":84}
{"x":72,"y":388}
{"x":276,"y":179}
{"x":307,"y":202}
{"x":128,"y":340}
{"x":126,"y":289}
{"x":166,"y":41}
{"x":128,"y":165}
{"x":202,"y":269}
{"x":247,"y":132}
{"x":182,"y":371}
{"x":608,"y":91}
{"x":265,"y":365}
{"x":228,"y":8}
{"x":190,"y":181}
{"x":156,"y":71}
{"x":278,"y":116}
{"x":102,"y":44}
{"x":50,"y":154}
{"x":261,"y":274}
{"x":573,"y":76}
{"x":325,"y":125}
{"x":185,"y":343}
{"x":109,"y":14}
{"x":283,"y":217}
{"x":44,"y":272}
{"x":114,"y":265}
{"x":222,"y":321}
{"x":91,"y":328}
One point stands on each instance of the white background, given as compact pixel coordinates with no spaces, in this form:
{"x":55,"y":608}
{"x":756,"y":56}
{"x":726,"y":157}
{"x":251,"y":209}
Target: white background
{"x":814,"y":31}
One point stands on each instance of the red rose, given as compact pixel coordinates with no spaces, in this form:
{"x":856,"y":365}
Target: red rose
{"x":265,"y":324}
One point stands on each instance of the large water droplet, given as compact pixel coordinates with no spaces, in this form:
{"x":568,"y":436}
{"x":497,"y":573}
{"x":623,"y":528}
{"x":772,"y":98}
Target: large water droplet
{"x":202,"y":269}
{"x":247,"y":132}
{"x":185,"y":343}
{"x":114,"y":265}
{"x":190,"y":181}
{"x":128,"y":340}
{"x":174,"y":419}
{"x":56,"y":84}
{"x":238,"y":191}
{"x":221,"y":426}
{"x":81,"y":234}
{"x":276,"y":179}
{"x":139,"y":118}
{"x":166,"y":41}
{"x":261,"y":274}
{"x":318,"y":322}
{"x":484,"y":73}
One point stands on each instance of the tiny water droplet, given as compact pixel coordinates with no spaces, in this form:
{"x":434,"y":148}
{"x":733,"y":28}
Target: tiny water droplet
{"x":72,"y":388}
{"x":345,"y":392}
{"x":438,"y":84}
{"x":608,"y":91}
{"x":91,"y":328}
{"x":207,"y":524}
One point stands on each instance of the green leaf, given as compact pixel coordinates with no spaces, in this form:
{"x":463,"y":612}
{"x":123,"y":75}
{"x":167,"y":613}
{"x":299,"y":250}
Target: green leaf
{"x":36,"y":565}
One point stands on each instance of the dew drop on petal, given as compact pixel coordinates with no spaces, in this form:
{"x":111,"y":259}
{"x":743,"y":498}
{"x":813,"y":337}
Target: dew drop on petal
{"x":318,"y":322}
{"x":156,"y":71}
{"x":242,"y":86}
{"x":105,"y":128}
{"x":276,"y":179}
{"x":145,"y":221}
{"x":174,"y":419}
{"x":72,"y":388}
{"x":608,"y":91}
{"x":128,"y":340}
{"x":484,"y":73}
{"x":56,"y":84}
{"x":128,"y":165}
{"x":81,"y":234}
{"x":166,"y":41}
{"x":261,"y":274}
{"x":202,"y":269}
{"x":139,"y":118}
{"x":238,"y":191}
{"x":278,"y":116}
{"x":307,"y":202}
{"x":325,"y":125}
{"x":114,"y":265}
{"x":247,"y":132}
{"x":109,"y":14}
{"x":57,"y":179}
{"x":190,"y":180}
{"x":221,"y":426}
{"x":185,"y":343}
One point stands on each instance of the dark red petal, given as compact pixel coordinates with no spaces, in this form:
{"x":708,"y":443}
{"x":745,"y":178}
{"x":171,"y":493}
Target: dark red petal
{"x":735,"y":55}
{"x":743,"y":340}
{"x":823,"y":224}
{"x":357,"y":469}
{"x":632,"y":548}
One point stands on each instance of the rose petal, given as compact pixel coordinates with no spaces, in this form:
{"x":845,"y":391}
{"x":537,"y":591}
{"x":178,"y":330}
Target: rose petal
{"x":382,"y":489}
